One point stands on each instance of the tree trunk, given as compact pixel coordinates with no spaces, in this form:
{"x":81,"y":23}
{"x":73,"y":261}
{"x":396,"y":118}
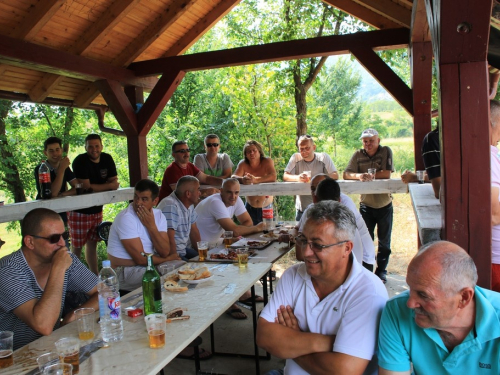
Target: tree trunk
{"x":68,"y":123}
{"x":11,"y":178}
{"x":301,"y":106}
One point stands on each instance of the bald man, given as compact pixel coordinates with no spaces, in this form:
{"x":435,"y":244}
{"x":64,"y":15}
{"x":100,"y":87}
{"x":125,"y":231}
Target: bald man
{"x":444,"y":324}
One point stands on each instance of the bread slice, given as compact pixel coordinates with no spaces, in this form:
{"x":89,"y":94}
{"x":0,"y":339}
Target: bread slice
{"x":189,"y":276}
{"x":186,"y":271}
{"x":202,"y":273}
{"x":172,"y":286}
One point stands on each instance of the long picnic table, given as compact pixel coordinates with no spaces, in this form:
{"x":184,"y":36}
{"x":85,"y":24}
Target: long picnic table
{"x":204,"y":302}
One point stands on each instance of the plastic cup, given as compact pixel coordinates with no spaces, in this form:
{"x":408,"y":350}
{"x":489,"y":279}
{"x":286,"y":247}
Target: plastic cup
{"x":371,"y":172}
{"x":421,"y":176}
{"x":166,"y":268}
{"x":202,"y":250}
{"x":59,"y":369}
{"x":46,"y":360}
{"x":308,"y":175}
{"x":156,"y":325}
{"x":242,"y":257}
{"x":228,"y":238}
{"x":85,"y":321}
{"x":6,"y":349}
{"x":68,"y":349}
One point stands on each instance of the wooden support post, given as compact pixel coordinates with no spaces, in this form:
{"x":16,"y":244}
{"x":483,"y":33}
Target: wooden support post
{"x":137,"y":158}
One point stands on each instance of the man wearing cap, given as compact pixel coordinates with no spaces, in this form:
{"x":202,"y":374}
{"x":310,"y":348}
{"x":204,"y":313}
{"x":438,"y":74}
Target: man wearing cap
{"x":376,"y":209}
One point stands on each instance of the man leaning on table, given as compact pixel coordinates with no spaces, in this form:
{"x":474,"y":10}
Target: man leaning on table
{"x":139,"y":229}
{"x":307,"y":160}
{"x":444,"y":323}
{"x":36,"y":279}
{"x":178,"y":209}
{"x":323,"y":316}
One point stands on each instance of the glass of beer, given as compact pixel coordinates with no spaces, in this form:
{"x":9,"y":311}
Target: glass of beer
{"x":156,"y":325}
{"x":68,"y":349}
{"x":202,"y":250}
{"x":371,"y":172}
{"x":228,"y":238}
{"x":6,"y":348}
{"x":85,"y":321}
{"x":46,"y":360}
{"x":242,"y":257}
{"x":59,"y":369}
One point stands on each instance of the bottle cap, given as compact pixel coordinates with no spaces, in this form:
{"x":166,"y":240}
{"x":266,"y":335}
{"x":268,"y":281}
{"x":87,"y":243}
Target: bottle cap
{"x":106,"y":263}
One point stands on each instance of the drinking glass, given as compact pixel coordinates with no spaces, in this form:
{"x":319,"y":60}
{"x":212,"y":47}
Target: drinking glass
{"x":85,"y":321}
{"x":166,"y":268}
{"x":228,"y":238}
{"x":156,"y":325}
{"x":68,"y":349}
{"x":6,"y":348}
{"x":46,"y":360}
{"x":242,"y":257}
{"x":371,"y":172}
{"x":202,"y":250}
{"x":59,"y":369}
{"x":420,"y":176}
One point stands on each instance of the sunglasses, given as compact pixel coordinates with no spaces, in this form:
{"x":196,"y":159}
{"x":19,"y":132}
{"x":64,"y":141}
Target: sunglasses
{"x":212,"y":144}
{"x":54,"y":238}
{"x":316,"y":247}
{"x":183,"y":151}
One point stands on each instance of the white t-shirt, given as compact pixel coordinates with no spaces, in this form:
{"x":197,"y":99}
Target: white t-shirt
{"x":363,"y":248}
{"x":127,"y":226}
{"x":212,"y":209}
{"x":352,"y":312}
{"x":322,"y":163}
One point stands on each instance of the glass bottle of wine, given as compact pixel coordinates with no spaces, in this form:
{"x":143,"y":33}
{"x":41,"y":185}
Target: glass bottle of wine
{"x":151,"y":289}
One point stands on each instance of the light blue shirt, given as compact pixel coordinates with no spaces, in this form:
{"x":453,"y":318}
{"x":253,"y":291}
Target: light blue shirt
{"x":402,"y":341}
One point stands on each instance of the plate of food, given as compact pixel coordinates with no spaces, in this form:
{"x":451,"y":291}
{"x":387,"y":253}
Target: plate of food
{"x":190,"y":275}
{"x":225,"y":256}
{"x":257,"y":244}
{"x":197,"y":281}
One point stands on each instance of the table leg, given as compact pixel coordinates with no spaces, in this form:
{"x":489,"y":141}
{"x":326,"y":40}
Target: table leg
{"x":254,"y":317}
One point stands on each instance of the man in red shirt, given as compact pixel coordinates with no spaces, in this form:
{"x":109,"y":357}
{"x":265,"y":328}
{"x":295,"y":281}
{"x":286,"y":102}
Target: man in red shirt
{"x":181,"y":166}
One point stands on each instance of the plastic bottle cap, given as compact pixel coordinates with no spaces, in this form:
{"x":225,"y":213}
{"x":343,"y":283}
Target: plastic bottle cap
{"x":106,"y":263}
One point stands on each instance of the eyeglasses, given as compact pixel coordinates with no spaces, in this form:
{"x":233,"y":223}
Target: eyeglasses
{"x":183,"y":151}
{"x":316,"y":247}
{"x":54,"y":238}
{"x":212,"y":145}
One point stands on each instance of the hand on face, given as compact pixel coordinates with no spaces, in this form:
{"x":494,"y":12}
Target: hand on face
{"x":62,"y":258}
{"x":145,"y":216}
{"x":63,"y":164}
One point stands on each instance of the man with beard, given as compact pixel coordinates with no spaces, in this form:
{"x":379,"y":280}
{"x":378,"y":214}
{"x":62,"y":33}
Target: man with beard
{"x":96,"y":170}
{"x":444,"y":324}
{"x":139,"y":229}
{"x":324,"y":314}
{"x":35,"y":280}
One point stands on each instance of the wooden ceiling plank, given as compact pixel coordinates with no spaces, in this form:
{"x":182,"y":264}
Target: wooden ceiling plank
{"x":38,"y":16}
{"x":279,"y":51}
{"x":119,"y":104}
{"x":364,"y":14}
{"x":99,"y":30}
{"x":385,"y":76}
{"x":173,"y":12}
{"x":389,"y":9}
{"x":201,"y":27}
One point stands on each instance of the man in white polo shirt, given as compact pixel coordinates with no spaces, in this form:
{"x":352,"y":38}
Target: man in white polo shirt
{"x":178,"y":209}
{"x":324,"y":314}
{"x":136,"y":230}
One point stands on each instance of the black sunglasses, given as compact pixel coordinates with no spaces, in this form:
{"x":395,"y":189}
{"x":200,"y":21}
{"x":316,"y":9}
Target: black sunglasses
{"x":183,"y":151}
{"x":212,"y":144}
{"x":54,"y":238}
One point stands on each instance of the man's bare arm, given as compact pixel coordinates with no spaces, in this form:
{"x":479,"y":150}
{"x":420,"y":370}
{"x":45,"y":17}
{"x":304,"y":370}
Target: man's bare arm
{"x":353,"y":175}
{"x":92,"y":302}
{"x":495,"y":206}
{"x":285,"y":342}
{"x":383,"y":174}
{"x":171,"y":239}
{"x":332,"y":363}
{"x":436,"y":186}
{"x":288,"y":177}
{"x":239,"y":230}
{"x":382,"y":371}
{"x":58,"y":181}
{"x":111,"y":184}
{"x":134,"y":249}
{"x":209,"y":180}
{"x":334,"y":175}
{"x":194,"y":236}
{"x":42,"y":314}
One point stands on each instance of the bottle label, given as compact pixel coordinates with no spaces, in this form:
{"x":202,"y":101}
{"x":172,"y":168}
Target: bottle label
{"x":158,"y":307}
{"x":114,"y":307}
{"x":44,"y":177}
{"x":267,"y":213}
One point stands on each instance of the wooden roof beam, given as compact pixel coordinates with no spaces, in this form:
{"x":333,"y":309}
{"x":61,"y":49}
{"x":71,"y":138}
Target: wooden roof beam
{"x":385,"y":76}
{"x":420,"y":31}
{"x":390,"y":10}
{"x":363,"y":14}
{"x":32,"y":56}
{"x":99,"y":30}
{"x":201,"y":27}
{"x":39,"y":14}
{"x":280,"y":51}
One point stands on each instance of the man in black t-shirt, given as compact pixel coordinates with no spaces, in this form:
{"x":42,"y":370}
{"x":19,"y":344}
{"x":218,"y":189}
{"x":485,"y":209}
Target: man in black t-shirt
{"x":96,"y":170}
{"x":60,"y":172}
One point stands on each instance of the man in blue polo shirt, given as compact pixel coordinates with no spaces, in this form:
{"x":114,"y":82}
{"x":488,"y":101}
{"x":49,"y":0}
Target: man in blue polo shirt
{"x":444,"y":324}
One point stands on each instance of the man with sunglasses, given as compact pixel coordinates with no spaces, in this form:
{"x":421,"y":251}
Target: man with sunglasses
{"x":181,"y":166}
{"x":214,"y":163}
{"x":307,"y":160}
{"x":36,"y":279}
{"x":324,"y":314}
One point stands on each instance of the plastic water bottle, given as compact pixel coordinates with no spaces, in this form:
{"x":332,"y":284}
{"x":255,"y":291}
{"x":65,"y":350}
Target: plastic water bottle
{"x":109,"y":304}
{"x":267,"y":214}
{"x":45,"y":181}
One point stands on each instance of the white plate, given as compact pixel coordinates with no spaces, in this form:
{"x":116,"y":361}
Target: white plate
{"x":197,"y":281}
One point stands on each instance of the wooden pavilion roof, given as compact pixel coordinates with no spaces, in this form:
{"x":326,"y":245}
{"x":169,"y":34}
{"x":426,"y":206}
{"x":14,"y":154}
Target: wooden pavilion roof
{"x":52,"y":51}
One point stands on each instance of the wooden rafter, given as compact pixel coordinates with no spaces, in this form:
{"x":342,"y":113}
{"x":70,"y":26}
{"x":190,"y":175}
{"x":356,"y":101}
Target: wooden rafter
{"x":99,"y":30}
{"x":364,"y":14}
{"x":420,"y":31}
{"x":280,"y":51}
{"x":39,"y":14}
{"x":202,"y":26}
{"x":391,"y":10}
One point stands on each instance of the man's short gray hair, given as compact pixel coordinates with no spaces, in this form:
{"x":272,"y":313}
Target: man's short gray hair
{"x":230,"y":180}
{"x":458,"y":270}
{"x":494,"y":113}
{"x":336,"y":213}
{"x":183,"y":184}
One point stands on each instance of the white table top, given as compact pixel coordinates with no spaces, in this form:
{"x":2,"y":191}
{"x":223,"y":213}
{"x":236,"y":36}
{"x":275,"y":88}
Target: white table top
{"x":205,"y":303}
{"x":427,"y":211}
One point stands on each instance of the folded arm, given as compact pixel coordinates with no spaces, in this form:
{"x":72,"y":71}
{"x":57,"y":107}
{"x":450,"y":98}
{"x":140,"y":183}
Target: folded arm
{"x":332,"y":363}
{"x":111,"y":184}
{"x":240,"y":230}
{"x":135,"y":249}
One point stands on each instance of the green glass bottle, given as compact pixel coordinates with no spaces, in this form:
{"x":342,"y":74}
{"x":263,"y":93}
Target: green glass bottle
{"x":151,"y":289}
